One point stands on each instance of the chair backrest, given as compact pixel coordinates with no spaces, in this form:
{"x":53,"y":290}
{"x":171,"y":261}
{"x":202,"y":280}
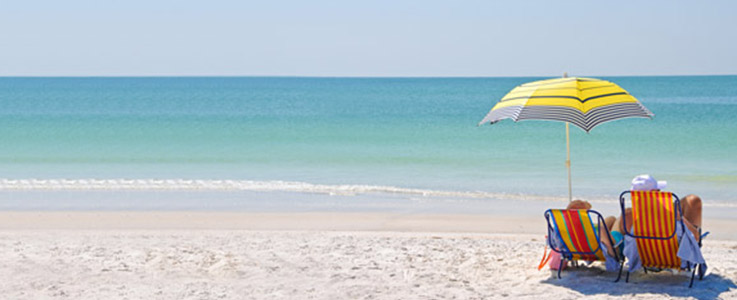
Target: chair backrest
{"x":575,"y":229}
{"x":654,"y":217}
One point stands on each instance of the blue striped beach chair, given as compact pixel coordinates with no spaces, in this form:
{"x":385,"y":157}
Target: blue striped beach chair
{"x":572,"y":233}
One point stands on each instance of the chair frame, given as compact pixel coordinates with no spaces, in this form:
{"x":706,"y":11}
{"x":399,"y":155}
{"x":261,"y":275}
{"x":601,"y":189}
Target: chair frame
{"x":676,"y":219}
{"x":567,"y":254}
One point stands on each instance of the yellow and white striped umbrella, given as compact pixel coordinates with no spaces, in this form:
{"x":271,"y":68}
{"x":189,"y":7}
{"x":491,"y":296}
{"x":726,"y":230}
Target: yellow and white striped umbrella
{"x":584,"y":102}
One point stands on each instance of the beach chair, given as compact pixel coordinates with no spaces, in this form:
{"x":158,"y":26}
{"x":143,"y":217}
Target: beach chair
{"x":654,"y":228}
{"x":571,"y":232}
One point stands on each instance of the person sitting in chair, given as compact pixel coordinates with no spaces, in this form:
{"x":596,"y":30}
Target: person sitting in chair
{"x":690,"y":206}
{"x":610,"y":222}
{"x":603,"y":234}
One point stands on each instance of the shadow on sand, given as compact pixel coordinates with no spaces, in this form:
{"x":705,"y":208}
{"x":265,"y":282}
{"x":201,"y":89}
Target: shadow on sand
{"x":595,"y":281}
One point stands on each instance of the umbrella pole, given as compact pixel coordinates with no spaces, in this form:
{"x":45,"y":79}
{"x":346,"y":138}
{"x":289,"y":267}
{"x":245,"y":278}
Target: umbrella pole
{"x":568,"y":161}
{"x":568,"y":154}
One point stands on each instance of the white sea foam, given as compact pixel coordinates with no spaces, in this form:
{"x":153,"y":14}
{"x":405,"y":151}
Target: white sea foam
{"x":240,"y":185}
{"x":270,"y":186}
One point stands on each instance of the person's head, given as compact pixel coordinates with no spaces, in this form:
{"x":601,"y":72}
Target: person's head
{"x":647,"y":183}
{"x":579,"y":204}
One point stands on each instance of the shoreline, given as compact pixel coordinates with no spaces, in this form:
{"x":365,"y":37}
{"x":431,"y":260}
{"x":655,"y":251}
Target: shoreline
{"x":721,"y":229}
{"x":265,"y":221}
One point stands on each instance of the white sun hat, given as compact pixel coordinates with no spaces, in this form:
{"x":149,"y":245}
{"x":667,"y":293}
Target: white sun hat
{"x":646,"y":182}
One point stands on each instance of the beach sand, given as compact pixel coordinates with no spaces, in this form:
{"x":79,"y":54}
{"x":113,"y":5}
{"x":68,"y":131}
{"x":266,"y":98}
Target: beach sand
{"x":214,"y":255}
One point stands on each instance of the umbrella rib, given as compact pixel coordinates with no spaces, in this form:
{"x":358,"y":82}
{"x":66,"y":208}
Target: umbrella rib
{"x":564,"y":97}
{"x":604,"y":96}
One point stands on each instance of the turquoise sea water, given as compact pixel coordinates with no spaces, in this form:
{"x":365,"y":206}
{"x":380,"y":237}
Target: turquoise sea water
{"x":398,"y":137}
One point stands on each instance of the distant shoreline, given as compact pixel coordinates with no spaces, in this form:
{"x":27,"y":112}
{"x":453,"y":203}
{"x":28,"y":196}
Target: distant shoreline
{"x":349,"y":76}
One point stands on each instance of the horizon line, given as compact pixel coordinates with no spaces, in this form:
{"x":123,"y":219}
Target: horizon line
{"x":345,"y":76}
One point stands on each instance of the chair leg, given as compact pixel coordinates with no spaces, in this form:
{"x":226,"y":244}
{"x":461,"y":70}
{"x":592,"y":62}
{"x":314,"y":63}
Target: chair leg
{"x":621,"y":266}
{"x":560,"y":267}
{"x":701,"y":272}
{"x":628,"y":277}
{"x":693,"y":273}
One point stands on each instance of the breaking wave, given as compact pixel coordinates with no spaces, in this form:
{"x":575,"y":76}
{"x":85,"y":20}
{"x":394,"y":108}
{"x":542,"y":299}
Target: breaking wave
{"x":239,"y":185}
{"x":270,"y":186}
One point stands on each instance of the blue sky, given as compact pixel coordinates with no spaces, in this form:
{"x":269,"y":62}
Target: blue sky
{"x":368,"y":38}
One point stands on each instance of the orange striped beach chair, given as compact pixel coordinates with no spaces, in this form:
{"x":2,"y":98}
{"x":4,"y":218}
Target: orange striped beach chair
{"x":572,"y":233}
{"x":654,"y":219}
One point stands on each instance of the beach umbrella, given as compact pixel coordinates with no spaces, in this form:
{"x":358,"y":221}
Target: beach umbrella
{"x":584,"y":102}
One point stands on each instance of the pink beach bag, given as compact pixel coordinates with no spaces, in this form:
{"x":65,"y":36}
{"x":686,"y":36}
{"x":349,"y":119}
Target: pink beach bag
{"x":554,"y":261}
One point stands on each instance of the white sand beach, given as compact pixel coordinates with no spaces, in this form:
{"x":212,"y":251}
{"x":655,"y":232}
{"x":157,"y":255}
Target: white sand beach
{"x":210,"y":255}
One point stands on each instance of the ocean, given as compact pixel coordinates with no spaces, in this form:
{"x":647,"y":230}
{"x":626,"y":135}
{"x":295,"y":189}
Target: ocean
{"x":274,"y":143}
